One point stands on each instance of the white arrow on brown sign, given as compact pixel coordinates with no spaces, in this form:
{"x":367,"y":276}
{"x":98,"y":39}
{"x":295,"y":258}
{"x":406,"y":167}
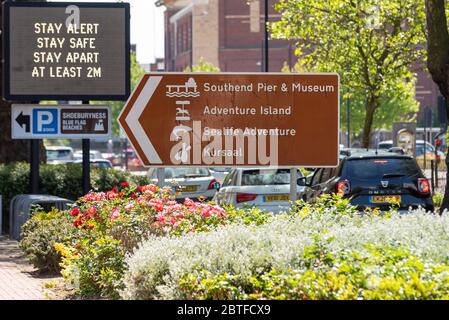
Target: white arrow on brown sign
{"x":228,"y":119}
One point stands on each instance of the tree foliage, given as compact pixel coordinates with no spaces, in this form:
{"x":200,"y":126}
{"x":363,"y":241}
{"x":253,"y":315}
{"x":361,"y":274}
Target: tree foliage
{"x":202,"y":66}
{"x":372,"y":44}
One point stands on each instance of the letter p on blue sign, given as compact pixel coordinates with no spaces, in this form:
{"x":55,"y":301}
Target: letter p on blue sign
{"x":45,"y":121}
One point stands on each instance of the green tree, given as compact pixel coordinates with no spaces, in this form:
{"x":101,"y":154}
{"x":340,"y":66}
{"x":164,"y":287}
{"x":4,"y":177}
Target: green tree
{"x":202,"y":66}
{"x":438,"y":60}
{"x":372,"y":44}
{"x":137,"y":73}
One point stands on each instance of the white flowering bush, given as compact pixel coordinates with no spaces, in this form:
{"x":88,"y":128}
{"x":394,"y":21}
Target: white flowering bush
{"x":317,"y":252}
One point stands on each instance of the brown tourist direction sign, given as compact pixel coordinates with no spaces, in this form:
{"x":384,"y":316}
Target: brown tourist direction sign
{"x":226,"y":119}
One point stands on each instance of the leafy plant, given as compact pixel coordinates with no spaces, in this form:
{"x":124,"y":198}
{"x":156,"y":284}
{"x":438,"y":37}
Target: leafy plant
{"x":39,"y":235}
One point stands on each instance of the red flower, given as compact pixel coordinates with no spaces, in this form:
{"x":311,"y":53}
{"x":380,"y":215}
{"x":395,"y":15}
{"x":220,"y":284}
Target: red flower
{"x":158,"y":207}
{"x":77,"y":222}
{"x":92,"y":211}
{"x":139,"y":188}
{"x":124,"y":184}
{"x":75,"y":212}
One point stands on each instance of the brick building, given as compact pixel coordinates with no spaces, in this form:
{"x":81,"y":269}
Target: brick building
{"x":230,"y":33}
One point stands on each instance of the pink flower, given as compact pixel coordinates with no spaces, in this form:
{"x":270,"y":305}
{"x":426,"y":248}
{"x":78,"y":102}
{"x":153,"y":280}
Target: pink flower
{"x":129,"y":206}
{"x":115,"y":214}
{"x":189,"y":202}
{"x":206,"y":212}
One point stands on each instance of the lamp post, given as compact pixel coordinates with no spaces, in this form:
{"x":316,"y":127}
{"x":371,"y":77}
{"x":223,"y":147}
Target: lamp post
{"x":348,"y":106}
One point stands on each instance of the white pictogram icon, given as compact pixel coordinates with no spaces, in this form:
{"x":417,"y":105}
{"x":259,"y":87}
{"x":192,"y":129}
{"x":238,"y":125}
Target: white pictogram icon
{"x":99,"y":126}
{"x":189,"y":89}
{"x":182,"y":114}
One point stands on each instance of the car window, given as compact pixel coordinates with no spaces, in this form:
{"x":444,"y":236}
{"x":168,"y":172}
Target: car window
{"x":316,"y":177}
{"x":228,"y":178}
{"x":377,"y":168}
{"x":58,"y":154}
{"x":257,"y":177}
{"x":326,"y":174}
{"x":174,"y":173}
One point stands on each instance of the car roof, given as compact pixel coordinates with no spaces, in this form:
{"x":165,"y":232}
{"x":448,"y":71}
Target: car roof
{"x":369,"y":154}
{"x":58,"y":148}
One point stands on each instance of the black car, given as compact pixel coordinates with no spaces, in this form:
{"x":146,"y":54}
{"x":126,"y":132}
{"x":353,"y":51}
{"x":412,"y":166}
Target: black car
{"x":373,"y":179}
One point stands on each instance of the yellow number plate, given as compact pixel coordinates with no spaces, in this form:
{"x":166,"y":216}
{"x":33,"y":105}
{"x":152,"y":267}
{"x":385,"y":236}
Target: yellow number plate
{"x":279,"y":197}
{"x":187,"y":188}
{"x":386,"y":199}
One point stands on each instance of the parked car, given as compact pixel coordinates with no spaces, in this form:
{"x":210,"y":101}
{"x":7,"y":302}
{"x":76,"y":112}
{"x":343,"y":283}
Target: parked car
{"x":93,"y":154}
{"x":98,"y":163}
{"x":59,"y":154}
{"x":220,"y":173}
{"x":374,"y":179}
{"x":193,"y":183}
{"x":429,"y":148}
{"x":267,"y":189}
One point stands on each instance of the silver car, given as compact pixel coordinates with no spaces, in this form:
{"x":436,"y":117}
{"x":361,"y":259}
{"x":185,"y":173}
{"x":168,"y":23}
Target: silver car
{"x":267,"y":189}
{"x":193,"y":183}
{"x":59,"y":154}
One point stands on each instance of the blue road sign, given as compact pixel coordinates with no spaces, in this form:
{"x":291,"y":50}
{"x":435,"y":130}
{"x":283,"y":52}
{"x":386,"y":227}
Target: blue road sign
{"x":45,"y":121}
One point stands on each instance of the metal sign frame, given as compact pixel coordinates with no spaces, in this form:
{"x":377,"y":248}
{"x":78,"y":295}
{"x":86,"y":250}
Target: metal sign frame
{"x":52,"y":96}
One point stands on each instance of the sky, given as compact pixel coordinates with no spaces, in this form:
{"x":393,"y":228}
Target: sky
{"x":147,"y":28}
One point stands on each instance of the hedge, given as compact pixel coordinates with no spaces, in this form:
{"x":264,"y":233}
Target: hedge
{"x":63,"y":180}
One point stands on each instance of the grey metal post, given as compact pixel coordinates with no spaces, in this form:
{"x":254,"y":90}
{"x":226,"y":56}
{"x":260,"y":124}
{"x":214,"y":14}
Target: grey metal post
{"x":161,"y":177}
{"x":293,"y":185}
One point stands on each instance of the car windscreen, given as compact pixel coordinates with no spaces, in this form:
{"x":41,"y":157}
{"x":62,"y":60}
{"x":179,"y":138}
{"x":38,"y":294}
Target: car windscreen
{"x":221,"y":169}
{"x":385,"y":145}
{"x":257,"y":177}
{"x":380,"y":168}
{"x":173,"y":173}
{"x":58,"y":154}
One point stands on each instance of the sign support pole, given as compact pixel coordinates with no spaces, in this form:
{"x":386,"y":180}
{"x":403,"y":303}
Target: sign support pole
{"x":86,"y":163}
{"x":34,"y":166}
{"x":160,"y":177}
{"x":293,"y":184}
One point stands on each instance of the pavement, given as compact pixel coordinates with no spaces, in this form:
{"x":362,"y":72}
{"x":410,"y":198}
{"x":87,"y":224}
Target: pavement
{"x":18,"y":281}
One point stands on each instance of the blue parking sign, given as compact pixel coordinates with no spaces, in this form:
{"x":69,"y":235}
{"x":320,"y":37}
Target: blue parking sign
{"x":45,"y":121}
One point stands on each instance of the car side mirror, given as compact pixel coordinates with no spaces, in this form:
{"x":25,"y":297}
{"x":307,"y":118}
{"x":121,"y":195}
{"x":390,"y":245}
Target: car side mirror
{"x":302,"y":181}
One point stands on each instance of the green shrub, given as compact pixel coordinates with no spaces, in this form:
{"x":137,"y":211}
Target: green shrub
{"x":39,"y":235}
{"x":335,"y":254}
{"x":112,"y":224}
{"x":61,"y":180}
{"x":387,"y":273}
{"x":438,"y":199}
